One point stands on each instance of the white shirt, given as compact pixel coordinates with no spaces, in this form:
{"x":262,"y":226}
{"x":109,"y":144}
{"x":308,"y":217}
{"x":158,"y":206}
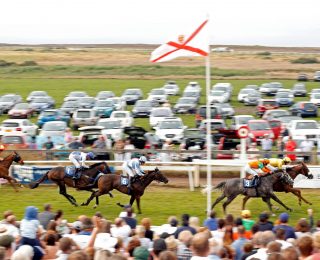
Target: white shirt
{"x":122,"y":232}
{"x":261,"y":254}
{"x":29,"y":228}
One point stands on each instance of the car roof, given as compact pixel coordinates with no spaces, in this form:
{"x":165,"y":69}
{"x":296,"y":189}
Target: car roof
{"x":14,"y":120}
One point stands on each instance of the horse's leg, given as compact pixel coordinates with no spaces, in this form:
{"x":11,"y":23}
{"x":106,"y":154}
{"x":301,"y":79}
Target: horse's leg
{"x":275,"y":198}
{"x":63,"y":191}
{"x":222,"y":196}
{"x":11,"y":181}
{"x":297,"y":193}
{"x":244,"y":201}
{"x":93,"y":195}
{"x":228,"y":201}
{"x":138,"y":204}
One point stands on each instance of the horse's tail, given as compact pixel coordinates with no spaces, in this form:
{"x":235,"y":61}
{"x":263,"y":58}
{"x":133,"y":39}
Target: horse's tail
{"x":35,"y":184}
{"x":220,"y":186}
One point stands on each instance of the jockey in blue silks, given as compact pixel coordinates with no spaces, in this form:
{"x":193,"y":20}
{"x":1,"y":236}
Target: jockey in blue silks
{"x":79,"y":159}
{"x":133,"y":167}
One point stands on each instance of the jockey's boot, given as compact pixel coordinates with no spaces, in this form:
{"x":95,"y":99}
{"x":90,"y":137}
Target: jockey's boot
{"x":129,"y":183}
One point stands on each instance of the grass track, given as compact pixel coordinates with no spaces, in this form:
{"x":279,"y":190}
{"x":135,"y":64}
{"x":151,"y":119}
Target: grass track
{"x":159,"y":202}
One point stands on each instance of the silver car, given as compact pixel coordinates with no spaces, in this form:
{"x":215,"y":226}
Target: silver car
{"x":83,"y":117}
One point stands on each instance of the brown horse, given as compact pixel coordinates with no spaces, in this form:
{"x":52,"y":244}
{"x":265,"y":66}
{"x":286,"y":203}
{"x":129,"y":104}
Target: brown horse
{"x":108,"y":182}
{"x":58,"y":176}
{"x":300,"y":168}
{"x":5,"y":165}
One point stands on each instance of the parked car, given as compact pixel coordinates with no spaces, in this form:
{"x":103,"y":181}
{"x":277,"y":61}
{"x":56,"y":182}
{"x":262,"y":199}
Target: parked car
{"x":89,"y":134}
{"x":87,"y":102}
{"x":170,"y":128}
{"x":54,"y":128}
{"x":306,"y":128}
{"x":21,"y":110}
{"x":41,"y":103}
{"x":8,"y":101}
{"x":15,"y":141}
{"x":193,"y":137}
{"x":36,"y":94}
{"x":192,"y":93}
{"x":69,"y":107}
{"x":218,"y":96}
{"x":226,"y":110}
{"x":171,"y":88}
{"x":18,"y":125}
{"x":159,"y":113}
{"x":315,"y":99}
{"x":302,"y":77}
{"x":125,"y":117}
{"x":304,"y":109}
{"x":258,"y":129}
{"x":185,"y":105}
{"x":270,"y":89}
{"x":75,"y":95}
{"x":239,"y":121}
{"x":225,"y":87}
{"x":215,"y":125}
{"x":227,"y":140}
{"x":316,"y":76}
{"x":83,"y":117}
{"x":254,"y":87}
{"x":275,"y":113}
{"x":252,"y":99}
{"x":141,"y":139}
{"x":193,"y":85}
{"x":103,"y":108}
{"x":142,"y":108}
{"x":299,"y":90}
{"x":314,"y":91}
{"x":119,"y":103}
{"x":111,"y":127}
{"x":215,"y":113}
{"x":131,"y":95}
{"x":159,"y":95}
{"x":285,"y":120}
{"x":284,"y":99}
{"x":105,"y":95}
{"x":243,"y":93}
{"x":52,"y":115}
{"x":264,"y":105}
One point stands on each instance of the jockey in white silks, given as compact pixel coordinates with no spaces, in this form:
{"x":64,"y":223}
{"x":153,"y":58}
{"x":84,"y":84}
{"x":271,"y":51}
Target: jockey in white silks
{"x":133,"y":167}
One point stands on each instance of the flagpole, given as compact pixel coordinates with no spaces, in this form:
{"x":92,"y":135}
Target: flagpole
{"x":208,"y":135}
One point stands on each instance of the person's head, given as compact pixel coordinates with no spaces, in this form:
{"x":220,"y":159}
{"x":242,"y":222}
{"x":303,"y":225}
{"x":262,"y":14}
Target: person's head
{"x":316,"y":240}
{"x":212,"y":214}
{"x":290,"y":253}
{"x":286,"y":160}
{"x":246,"y":213}
{"x":194,"y":222}
{"x":247,"y":247}
{"x":31,"y":213}
{"x":265,"y":238}
{"x":146,"y":223}
{"x":101,"y":138}
{"x":284,"y":217}
{"x":78,"y":255}
{"x":185,"y":237}
{"x":141,"y":253}
{"x":90,"y":156}
{"x":133,"y":243}
{"x":7,"y":213}
{"x":185,"y":219}
{"x":6,"y":241}
{"x":24,"y":252}
{"x":65,"y":244}
{"x":173,"y":221}
{"x":280,"y":234}
{"x":140,"y":231}
{"x":302,"y":225}
{"x":167,"y":255}
{"x":142,"y":159}
{"x":50,"y":238}
{"x":47,"y":207}
{"x":200,"y":244}
{"x":305,"y":245}
{"x":264,"y":217}
{"x":118,"y":222}
{"x":159,"y":245}
{"x":87,"y":224}
{"x":274,"y":247}
{"x":241,"y":231}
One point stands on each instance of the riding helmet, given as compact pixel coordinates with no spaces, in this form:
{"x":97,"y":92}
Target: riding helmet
{"x":142,"y":159}
{"x":91,"y":155}
{"x":286,"y":160}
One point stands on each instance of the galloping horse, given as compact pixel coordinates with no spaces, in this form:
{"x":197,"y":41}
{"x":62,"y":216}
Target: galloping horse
{"x":108,"y":182}
{"x":234,"y":187}
{"x":58,"y":176}
{"x":5,"y":165}
{"x":293,"y":172}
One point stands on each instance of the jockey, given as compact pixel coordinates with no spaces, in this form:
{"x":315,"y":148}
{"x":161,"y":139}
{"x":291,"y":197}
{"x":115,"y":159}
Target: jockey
{"x":132,"y":168}
{"x":277,"y":164}
{"x":257,"y":167}
{"x":79,"y":159}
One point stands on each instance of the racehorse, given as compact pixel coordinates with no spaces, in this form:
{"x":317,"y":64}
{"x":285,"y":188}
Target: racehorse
{"x":5,"y":165}
{"x":234,"y":187}
{"x":108,"y":182}
{"x":300,"y":168}
{"x":58,"y":176}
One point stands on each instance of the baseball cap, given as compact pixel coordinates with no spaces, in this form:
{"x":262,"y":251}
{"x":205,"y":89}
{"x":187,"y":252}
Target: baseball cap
{"x":77,"y":225}
{"x":141,"y":253}
{"x":284,"y":217}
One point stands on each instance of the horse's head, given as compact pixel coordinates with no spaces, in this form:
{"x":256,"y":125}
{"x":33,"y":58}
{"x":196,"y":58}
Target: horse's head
{"x":158,"y":176}
{"x":17,"y":158}
{"x":301,"y":168}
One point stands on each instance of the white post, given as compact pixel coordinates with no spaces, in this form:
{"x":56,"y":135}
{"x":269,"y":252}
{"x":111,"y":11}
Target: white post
{"x":243,"y":155}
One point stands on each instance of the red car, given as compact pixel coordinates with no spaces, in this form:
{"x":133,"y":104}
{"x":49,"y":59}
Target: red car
{"x":14,"y":141}
{"x":21,"y":110}
{"x":266,"y":104}
{"x":258,"y":129}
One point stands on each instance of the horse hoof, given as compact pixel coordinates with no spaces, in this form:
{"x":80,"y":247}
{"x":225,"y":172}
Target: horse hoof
{"x":290,"y":210}
{"x":273,"y":215}
{"x":95,"y":206}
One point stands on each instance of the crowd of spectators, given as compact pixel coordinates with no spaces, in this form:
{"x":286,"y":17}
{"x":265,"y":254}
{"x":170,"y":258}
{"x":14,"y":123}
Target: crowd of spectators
{"x":48,"y":235}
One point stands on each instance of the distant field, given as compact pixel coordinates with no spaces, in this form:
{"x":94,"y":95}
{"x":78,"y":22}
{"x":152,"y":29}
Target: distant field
{"x":159,"y":202}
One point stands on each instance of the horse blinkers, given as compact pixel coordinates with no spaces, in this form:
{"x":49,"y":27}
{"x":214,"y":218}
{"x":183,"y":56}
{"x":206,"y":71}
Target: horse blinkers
{"x":18,"y":159}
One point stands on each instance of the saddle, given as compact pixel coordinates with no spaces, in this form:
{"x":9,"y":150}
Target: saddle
{"x":250,"y":182}
{"x":124,"y":180}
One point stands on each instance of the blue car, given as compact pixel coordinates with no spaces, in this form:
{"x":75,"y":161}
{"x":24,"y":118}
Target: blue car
{"x":52,"y":115}
{"x":104,"y":108}
{"x":284,"y":99}
{"x":304,"y":109}
{"x":41,"y":103}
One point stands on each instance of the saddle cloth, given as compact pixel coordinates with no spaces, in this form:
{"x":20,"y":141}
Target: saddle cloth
{"x":69,"y":170}
{"x":251,"y":183}
{"x":124,"y":180}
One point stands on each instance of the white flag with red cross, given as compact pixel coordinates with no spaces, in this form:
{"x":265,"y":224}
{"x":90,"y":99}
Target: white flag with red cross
{"x":192,"y":44}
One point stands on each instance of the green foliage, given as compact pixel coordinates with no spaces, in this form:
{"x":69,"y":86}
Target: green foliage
{"x":305,"y":60}
{"x":4,"y":63}
{"x":264,"y":53}
{"x":28,"y":63}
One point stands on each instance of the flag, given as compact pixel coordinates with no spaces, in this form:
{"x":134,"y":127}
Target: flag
{"x":192,"y":44}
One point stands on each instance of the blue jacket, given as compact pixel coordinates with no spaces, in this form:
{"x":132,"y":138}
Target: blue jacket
{"x":134,"y":165}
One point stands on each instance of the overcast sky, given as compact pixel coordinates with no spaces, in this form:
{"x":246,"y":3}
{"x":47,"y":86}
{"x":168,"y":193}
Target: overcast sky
{"x":245,"y":22}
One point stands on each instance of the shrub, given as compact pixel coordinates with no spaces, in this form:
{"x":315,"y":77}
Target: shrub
{"x":264,"y":53}
{"x":29,"y":63}
{"x":305,"y":60}
{"x":4,"y":63}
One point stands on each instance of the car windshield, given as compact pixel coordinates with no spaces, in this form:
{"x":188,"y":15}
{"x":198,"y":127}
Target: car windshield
{"x":49,"y":113}
{"x":6,"y":99}
{"x":70,"y":105}
{"x":105,"y":94}
{"x":161,"y":113}
{"x":110,"y":124}
{"x":190,"y":94}
{"x":131,"y":92}
{"x":253,"y":95}
{"x":203,"y":111}
{"x":216,"y":93}
{"x":214,"y":125}
{"x":309,"y":106}
{"x":21,"y":106}
{"x":157,"y":92}
{"x":274,"y":124}
{"x":170,"y":125}
{"x":245,"y":91}
{"x":316,"y":96}
{"x":269,"y":103}
{"x":12,"y":140}
{"x":283,"y":95}
{"x":104,"y":103}
{"x":87,"y":100}
{"x":299,"y":87}
{"x":315,"y":90}
{"x":10,"y":124}
{"x":54,"y":127}
{"x":83,"y":114}
{"x":193,"y":134}
{"x":279,"y":113}
{"x":77,"y":94}
{"x":244,"y":120}
{"x":258,"y":125}
{"x":287,"y":119}
{"x":306,"y":125}
{"x":120,"y":115}
{"x":40,"y":100}
{"x":276,"y":85}
{"x":186,"y":101}
{"x":221,"y":88}
{"x":143,"y":103}
{"x":169,"y":86}
{"x":225,"y":105}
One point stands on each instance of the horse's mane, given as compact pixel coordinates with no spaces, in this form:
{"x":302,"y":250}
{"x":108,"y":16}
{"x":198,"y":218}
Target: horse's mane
{"x":97,"y":164}
{"x":8,"y":156}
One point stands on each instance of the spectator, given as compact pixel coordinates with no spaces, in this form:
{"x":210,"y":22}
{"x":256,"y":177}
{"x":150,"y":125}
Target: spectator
{"x":302,"y":228}
{"x":141,"y":253}
{"x":128,"y":146}
{"x":253,"y":148}
{"x":33,"y":143}
{"x":247,"y":222}
{"x":264,"y":239}
{"x":273,"y":248}
{"x":68,"y":135}
{"x":200,"y":246}
{"x":48,"y":145}
{"x":280,"y":146}
{"x":306,"y":147}
{"x":10,"y":225}
{"x":166,"y":156}
{"x":132,"y":244}
{"x":140,"y":234}
{"x":228,"y":236}
{"x":119,"y":146}
{"x":6,"y":243}
{"x":248,"y":250}
{"x":167,"y":255}
{"x":316,"y":245}
{"x":146,"y":223}
{"x":159,"y":245}
{"x":76,"y":144}
{"x":65,"y":245}
{"x":185,"y":226}
{"x":280,"y":238}
{"x":24,"y":252}
{"x":290,"y":146}
{"x":305,"y":245}
{"x":52,"y":247}
{"x":211,"y":222}
{"x":290,"y":253}
{"x":46,"y":216}
{"x":266,"y":146}
{"x":101,"y":146}
{"x":284,"y":218}
{"x":238,"y":244}
{"x":194,"y":222}
{"x":172,"y":244}
{"x":129,"y":219}
{"x":184,"y":251}
{"x":263,"y":223}
{"x":121,"y":229}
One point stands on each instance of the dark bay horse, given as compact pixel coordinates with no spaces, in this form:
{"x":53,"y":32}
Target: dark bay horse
{"x":234,"y":187}
{"x":58,"y":176}
{"x":5,"y":165}
{"x":108,"y":182}
{"x":300,"y":168}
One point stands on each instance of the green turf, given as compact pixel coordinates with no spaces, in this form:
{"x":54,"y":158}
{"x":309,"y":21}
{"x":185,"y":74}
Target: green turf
{"x":159,"y":202}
